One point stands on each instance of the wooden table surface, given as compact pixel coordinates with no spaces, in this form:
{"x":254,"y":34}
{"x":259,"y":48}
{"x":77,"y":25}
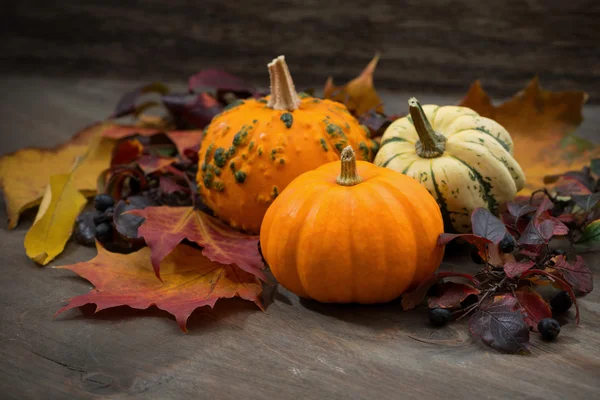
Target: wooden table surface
{"x":295,"y":350}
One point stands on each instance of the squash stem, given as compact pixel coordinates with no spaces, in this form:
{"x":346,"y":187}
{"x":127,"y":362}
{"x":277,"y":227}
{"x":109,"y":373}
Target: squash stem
{"x":348,"y":176}
{"x":430,"y":144}
{"x":283,"y":92}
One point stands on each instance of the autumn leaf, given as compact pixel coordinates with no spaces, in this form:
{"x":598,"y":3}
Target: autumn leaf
{"x":452,"y":293}
{"x":165,"y":227}
{"x":500,"y":327}
{"x":190,"y":280}
{"x":533,"y":307}
{"x":413,"y":298}
{"x":513,"y":269}
{"x":358,"y":95}
{"x":53,"y":224}
{"x":591,"y":234}
{"x":24,"y":174}
{"x":576,"y":273}
{"x":541,"y":124}
{"x":129,"y":102}
{"x":487,"y":225}
{"x":183,"y":140}
{"x":151,"y":163}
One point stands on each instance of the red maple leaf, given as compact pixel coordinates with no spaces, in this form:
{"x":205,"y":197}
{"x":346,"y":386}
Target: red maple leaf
{"x":165,"y":227}
{"x":190,"y":280}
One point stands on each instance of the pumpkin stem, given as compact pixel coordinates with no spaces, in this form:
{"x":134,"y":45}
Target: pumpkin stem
{"x":348,"y":176}
{"x":430,"y":144}
{"x":283,"y":92}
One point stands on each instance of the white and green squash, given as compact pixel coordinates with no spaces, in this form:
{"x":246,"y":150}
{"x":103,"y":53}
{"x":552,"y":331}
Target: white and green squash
{"x":463,"y":159}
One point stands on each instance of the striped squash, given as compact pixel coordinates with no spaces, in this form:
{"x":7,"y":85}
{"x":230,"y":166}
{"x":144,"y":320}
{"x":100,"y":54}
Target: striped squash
{"x":464,"y":160}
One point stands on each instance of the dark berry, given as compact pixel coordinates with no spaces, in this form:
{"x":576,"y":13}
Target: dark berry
{"x":103,"y":201}
{"x":439,"y":316}
{"x":476,"y":257}
{"x":85,"y":228}
{"x":435,"y":290}
{"x":561,"y":302}
{"x":507,"y":244}
{"x":559,"y":252}
{"x":549,"y":328}
{"x":103,"y":231}
{"x":109,"y":212}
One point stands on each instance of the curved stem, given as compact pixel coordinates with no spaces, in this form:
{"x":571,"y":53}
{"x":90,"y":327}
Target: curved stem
{"x":348,"y":175}
{"x":430,"y":144}
{"x":283,"y":92}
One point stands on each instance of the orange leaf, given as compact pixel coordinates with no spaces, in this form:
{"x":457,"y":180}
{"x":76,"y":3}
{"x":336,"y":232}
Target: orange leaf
{"x":25,"y":174}
{"x":358,"y":95}
{"x":190,"y":280}
{"x":541,"y":123}
{"x":165,"y":227}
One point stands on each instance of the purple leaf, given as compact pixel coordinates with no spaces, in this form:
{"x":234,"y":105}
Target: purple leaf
{"x":452,"y":293}
{"x":127,"y":224}
{"x":500,"y":327}
{"x":214,"y":78}
{"x":197,"y":110}
{"x":577,"y":274}
{"x":515,"y":268}
{"x":412,"y":299}
{"x":487,"y":225}
{"x":518,"y":210}
{"x":127,"y":103}
{"x":587,"y":202}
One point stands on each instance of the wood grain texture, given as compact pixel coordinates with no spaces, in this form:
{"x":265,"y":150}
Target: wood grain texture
{"x":432,"y":46}
{"x":295,"y":350}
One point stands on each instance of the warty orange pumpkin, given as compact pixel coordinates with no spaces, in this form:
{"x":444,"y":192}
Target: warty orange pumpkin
{"x":252,"y":150}
{"x":364,"y":235}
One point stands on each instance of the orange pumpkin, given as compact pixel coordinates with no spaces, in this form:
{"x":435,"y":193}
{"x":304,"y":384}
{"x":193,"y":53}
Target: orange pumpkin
{"x":252,"y":150}
{"x":363,"y":236}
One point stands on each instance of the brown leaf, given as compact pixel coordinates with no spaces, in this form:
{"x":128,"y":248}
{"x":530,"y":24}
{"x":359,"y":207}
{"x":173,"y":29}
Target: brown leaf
{"x":541,"y":123}
{"x":165,"y":227}
{"x":25,"y":174}
{"x":358,"y":95}
{"x":190,"y":280}
{"x":452,"y":293}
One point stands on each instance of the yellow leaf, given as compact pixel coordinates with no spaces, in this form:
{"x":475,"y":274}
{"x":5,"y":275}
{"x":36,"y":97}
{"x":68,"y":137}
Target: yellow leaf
{"x":541,"y":124}
{"x":53,"y":224}
{"x":358,"y":95}
{"x":24,"y":174}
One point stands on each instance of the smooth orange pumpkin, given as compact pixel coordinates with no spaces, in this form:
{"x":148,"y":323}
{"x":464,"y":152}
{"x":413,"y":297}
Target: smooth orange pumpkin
{"x":251,"y":151}
{"x":364,"y":235}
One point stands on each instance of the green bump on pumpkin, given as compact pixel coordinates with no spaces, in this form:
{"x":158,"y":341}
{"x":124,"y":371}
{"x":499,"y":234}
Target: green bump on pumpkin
{"x":240,"y":176}
{"x":254,"y":121}
{"x":219,"y":186}
{"x":316,"y":101}
{"x":251,"y":146}
{"x":324,"y":144}
{"x":333,"y":130}
{"x":287,"y":119}
{"x":274,"y":192}
{"x":208,"y":179}
{"x":281,"y":161}
{"x":347,"y":126}
{"x":231,"y":152}
{"x":241,"y":136}
{"x":232,"y":166}
{"x":233,"y":105}
{"x":209,"y":150}
{"x":263,"y":101}
{"x":364,"y":149}
{"x":273,"y":153}
{"x":303,"y":95}
{"x":260,"y":151}
{"x":204,"y":166}
{"x":367,"y":131}
{"x":339,"y":146}
{"x":220,"y":157}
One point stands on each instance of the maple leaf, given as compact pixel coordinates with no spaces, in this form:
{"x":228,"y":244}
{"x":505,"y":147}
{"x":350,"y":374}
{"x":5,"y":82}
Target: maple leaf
{"x":24,"y":174}
{"x":165,"y":227}
{"x":190,"y":280}
{"x":540,"y":123}
{"x":533,"y":307}
{"x":452,"y":293}
{"x":358,"y":95}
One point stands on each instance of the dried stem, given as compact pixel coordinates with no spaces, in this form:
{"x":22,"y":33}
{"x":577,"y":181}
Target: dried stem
{"x":348,"y":175}
{"x":283,"y":92}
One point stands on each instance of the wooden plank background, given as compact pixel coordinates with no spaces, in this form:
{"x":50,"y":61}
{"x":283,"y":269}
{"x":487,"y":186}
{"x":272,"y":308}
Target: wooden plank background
{"x":427,"y":46}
